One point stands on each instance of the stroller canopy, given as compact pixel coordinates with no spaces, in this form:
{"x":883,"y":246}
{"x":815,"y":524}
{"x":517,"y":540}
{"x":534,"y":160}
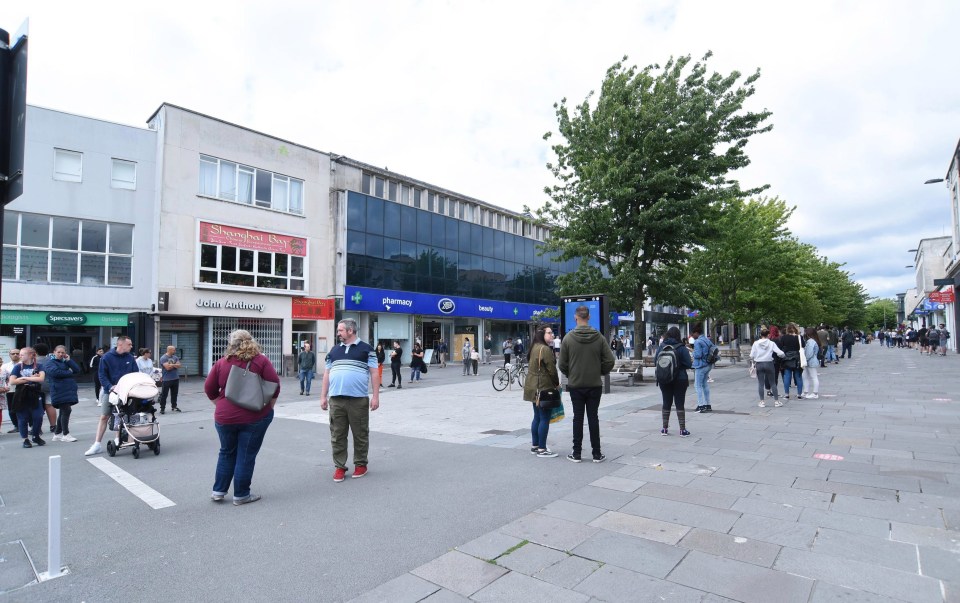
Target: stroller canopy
{"x":134,"y":385}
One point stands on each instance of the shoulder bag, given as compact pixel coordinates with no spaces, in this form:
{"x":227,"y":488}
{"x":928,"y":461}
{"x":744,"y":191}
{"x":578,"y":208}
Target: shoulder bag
{"x":546,"y":398}
{"x":803,"y":354}
{"x":247,"y":389}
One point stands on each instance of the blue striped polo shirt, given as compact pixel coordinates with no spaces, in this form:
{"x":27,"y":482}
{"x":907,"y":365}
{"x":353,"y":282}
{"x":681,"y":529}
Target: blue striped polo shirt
{"x":349,"y":369}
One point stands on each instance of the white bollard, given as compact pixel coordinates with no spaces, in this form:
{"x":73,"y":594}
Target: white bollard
{"x":54,"y":570}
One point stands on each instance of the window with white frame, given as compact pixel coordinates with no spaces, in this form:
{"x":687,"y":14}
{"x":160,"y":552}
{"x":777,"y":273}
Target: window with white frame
{"x":67,"y":165}
{"x":251,"y":186}
{"x":56,"y":249}
{"x":238,"y":267}
{"x":124,"y":174}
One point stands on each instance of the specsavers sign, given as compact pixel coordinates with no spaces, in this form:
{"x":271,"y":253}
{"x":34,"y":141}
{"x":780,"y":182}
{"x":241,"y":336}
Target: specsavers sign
{"x":62,"y":319}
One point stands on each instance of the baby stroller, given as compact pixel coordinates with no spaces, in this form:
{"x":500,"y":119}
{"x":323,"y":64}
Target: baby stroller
{"x":134,"y":417}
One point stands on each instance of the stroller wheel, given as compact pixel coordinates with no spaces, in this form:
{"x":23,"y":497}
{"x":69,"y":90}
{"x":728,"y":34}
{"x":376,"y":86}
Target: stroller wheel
{"x":111,"y":449}
{"x":136,"y":451}
{"x":156,"y":448}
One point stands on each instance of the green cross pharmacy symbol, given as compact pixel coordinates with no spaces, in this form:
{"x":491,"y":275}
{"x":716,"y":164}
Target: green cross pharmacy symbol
{"x":356,"y":297}
{"x":515,"y":311}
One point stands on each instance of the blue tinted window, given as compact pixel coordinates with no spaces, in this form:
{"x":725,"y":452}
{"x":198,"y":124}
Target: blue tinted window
{"x":488,"y":263}
{"x":476,"y":238}
{"x":423,"y":227}
{"x":408,"y":223}
{"x":508,"y":250}
{"x":450,"y":240}
{"x":391,"y":220}
{"x":463,"y":239}
{"x":498,"y":244}
{"x":374,"y":215}
{"x":408,"y":251}
{"x":391,"y":249}
{"x":356,"y":211}
{"x":437,"y":234}
{"x":356,"y":242}
{"x":487,"y":241}
{"x":375,"y":246}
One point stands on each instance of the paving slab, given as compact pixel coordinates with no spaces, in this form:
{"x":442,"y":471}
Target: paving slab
{"x":629,"y":552}
{"x":490,"y":546}
{"x":875,"y":481}
{"x":611,"y":583}
{"x":824,"y":592}
{"x":530,"y":558}
{"x":661,"y":476}
{"x":571,"y":511}
{"x":760,"y":474}
{"x":856,"y":524}
{"x":939,"y":563}
{"x":729,"y":546}
{"x":553,"y":532}
{"x":445,"y":596}
{"x":769,"y":509}
{"x":868,"y":549}
{"x":681,"y":513}
{"x":740,"y":581}
{"x":722,"y":485}
{"x":518,"y":587}
{"x":848,"y":489}
{"x":620,"y":484}
{"x":775,"y":531}
{"x":947,"y":540}
{"x":601,"y":498}
{"x":641,"y":527}
{"x":406,"y":588}
{"x":459,"y":572}
{"x":903,"y":512}
{"x":794,"y":496}
{"x":569,"y":572}
{"x":688,"y":494}
{"x":859,"y":576}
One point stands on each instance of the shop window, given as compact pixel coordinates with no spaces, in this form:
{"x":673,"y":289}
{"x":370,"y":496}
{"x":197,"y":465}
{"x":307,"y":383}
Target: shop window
{"x":231,"y":181}
{"x":249,"y":268}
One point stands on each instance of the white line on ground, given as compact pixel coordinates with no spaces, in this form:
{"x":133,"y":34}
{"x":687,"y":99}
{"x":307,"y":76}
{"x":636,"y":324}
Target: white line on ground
{"x":135,"y":486}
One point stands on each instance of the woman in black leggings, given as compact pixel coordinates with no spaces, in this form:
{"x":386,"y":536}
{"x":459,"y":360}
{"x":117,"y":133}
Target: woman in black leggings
{"x":396,"y":355}
{"x":675,"y":391}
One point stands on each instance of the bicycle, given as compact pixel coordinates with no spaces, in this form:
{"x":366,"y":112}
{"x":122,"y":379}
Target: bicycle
{"x":504,"y":376}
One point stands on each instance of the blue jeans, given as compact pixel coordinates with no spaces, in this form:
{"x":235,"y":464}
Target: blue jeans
{"x":239,"y":445}
{"x":33,"y":418}
{"x":414,"y":374}
{"x":306,"y":378}
{"x":795,"y":375}
{"x":831,"y":353}
{"x":701,"y":386}
{"x":540,"y":426}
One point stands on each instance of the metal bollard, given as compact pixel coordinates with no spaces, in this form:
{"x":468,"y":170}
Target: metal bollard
{"x":54,"y":569}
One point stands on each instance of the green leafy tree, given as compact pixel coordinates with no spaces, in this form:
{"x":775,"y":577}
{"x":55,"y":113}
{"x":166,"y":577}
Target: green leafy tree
{"x":640,"y":172}
{"x":880,"y":314}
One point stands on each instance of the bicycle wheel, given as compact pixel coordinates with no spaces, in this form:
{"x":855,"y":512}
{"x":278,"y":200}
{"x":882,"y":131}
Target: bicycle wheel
{"x":501,"y":379}
{"x":521,"y":375}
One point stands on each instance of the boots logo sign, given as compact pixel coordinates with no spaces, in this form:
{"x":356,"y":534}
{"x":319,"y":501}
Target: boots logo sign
{"x":66,"y":318}
{"x":446,"y":305}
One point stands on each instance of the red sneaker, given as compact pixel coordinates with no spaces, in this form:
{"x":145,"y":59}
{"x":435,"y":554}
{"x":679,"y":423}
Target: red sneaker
{"x":360,"y":471}
{"x":339,"y":474}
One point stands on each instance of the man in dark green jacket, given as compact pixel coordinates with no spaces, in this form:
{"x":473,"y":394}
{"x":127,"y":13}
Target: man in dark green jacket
{"x":585,"y":357}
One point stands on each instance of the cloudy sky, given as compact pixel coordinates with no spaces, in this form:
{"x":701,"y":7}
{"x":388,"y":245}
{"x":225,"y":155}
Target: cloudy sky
{"x":866,"y":105}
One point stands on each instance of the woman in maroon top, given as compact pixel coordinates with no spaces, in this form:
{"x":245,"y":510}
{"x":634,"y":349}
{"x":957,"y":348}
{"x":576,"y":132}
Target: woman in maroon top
{"x":241,"y":431}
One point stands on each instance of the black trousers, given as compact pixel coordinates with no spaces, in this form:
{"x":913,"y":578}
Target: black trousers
{"x":674,"y":394}
{"x":171,"y":387}
{"x":13,"y":415}
{"x":586,"y":399}
{"x":63,"y":420}
{"x":847,"y":351}
{"x":395,"y":373}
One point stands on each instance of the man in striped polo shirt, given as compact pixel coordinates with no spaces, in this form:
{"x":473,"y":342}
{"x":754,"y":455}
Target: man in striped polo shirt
{"x":351,"y":368}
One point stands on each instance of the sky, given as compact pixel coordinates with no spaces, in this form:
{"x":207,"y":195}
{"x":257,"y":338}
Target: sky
{"x":459,"y":94}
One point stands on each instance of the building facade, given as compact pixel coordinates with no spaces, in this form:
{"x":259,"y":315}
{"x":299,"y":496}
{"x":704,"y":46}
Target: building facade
{"x":245,"y":240}
{"x":78,"y":245}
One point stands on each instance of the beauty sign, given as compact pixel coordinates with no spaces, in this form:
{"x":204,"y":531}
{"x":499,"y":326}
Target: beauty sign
{"x":246,"y":238}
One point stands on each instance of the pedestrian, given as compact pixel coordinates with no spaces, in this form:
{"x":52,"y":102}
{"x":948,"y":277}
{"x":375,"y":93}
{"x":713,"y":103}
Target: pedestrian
{"x":822,"y":345}
{"x":944,"y":337}
{"x":761,"y":354}
{"x":169,"y":379}
{"x":615,"y":348}
{"x":145,"y":361}
{"x":702,"y":348}
{"x":518,"y":349}
{"x":95,"y":369}
{"x":585,"y":358}
{"x":306,"y":368}
{"x":442,"y":350}
{"x":933,"y":339}
{"x":381,"y":358}
{"x":28,"y":376}
{"x":541,"y":374}
{"x":5,"y":370}
{"x":811,"y":382}
{"x":465,"y":355}
{"x":474,"y":361}
{"x":792,"y":347}
{"x":487,"y":348}
{"x":115,"y":364}
{"x":507,"y":350}
{"x":416,"y":362}
{"x":345,"y":385}
{"x":832,"y":339}
{"x":61,"y":371}
{"x":846,"y":340}
{"x":396,"y":359}
{"x":241,"y":431}
{"x":42,"y":354}
{"x":673,"y":383}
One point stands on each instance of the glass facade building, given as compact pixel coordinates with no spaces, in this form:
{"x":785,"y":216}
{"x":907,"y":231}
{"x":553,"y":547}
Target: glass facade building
{"x":399,"y":247}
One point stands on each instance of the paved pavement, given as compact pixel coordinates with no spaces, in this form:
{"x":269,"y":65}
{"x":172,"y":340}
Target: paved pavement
{"x":456,"y":509}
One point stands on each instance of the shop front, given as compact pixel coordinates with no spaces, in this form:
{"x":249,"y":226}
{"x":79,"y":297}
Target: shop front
{"x":312,"y":322}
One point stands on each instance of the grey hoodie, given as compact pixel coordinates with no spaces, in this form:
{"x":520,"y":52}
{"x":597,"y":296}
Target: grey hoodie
{"x":763,"y":351}
{"x":585,"y":357}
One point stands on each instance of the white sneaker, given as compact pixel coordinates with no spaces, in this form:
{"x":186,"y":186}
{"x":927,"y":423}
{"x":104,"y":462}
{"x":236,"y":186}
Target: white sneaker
{"x":67,"y":438}
{"x":95,"y":449}
{"x":813,"y":396}
{"x":99,"y":402}
{"x":57,"y":437}
{"x":762,"y":404}
{"x":778,"y":403}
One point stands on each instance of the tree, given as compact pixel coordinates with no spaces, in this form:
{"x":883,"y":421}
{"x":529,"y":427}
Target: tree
{"x":640,"y":175}
{"x":880,"y":314}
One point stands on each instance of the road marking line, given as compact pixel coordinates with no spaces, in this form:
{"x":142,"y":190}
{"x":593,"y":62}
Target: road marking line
{"x":135,"y":486}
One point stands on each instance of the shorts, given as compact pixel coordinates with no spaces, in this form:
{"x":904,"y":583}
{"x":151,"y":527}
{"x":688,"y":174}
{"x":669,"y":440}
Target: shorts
{"x":106,"y":409}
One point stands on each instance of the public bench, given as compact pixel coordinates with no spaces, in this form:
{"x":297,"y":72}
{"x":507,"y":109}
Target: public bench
{"x":633,"y":369}
{"x":733,"y":356}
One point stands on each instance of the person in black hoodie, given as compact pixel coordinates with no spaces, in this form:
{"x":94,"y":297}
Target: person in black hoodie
{"x":792,"y":347}
{"x":675,"y":391}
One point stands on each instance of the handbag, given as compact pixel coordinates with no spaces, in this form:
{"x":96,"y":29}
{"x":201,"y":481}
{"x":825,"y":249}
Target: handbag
{"x":803,"y":354}
{"x":248,"y":390}
{"x":752,"y":370}
{"x":547,"y":398}
{"x":556,"y":415}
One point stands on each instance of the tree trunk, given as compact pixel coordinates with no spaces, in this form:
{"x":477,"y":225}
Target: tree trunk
{"x":639,"y":330}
